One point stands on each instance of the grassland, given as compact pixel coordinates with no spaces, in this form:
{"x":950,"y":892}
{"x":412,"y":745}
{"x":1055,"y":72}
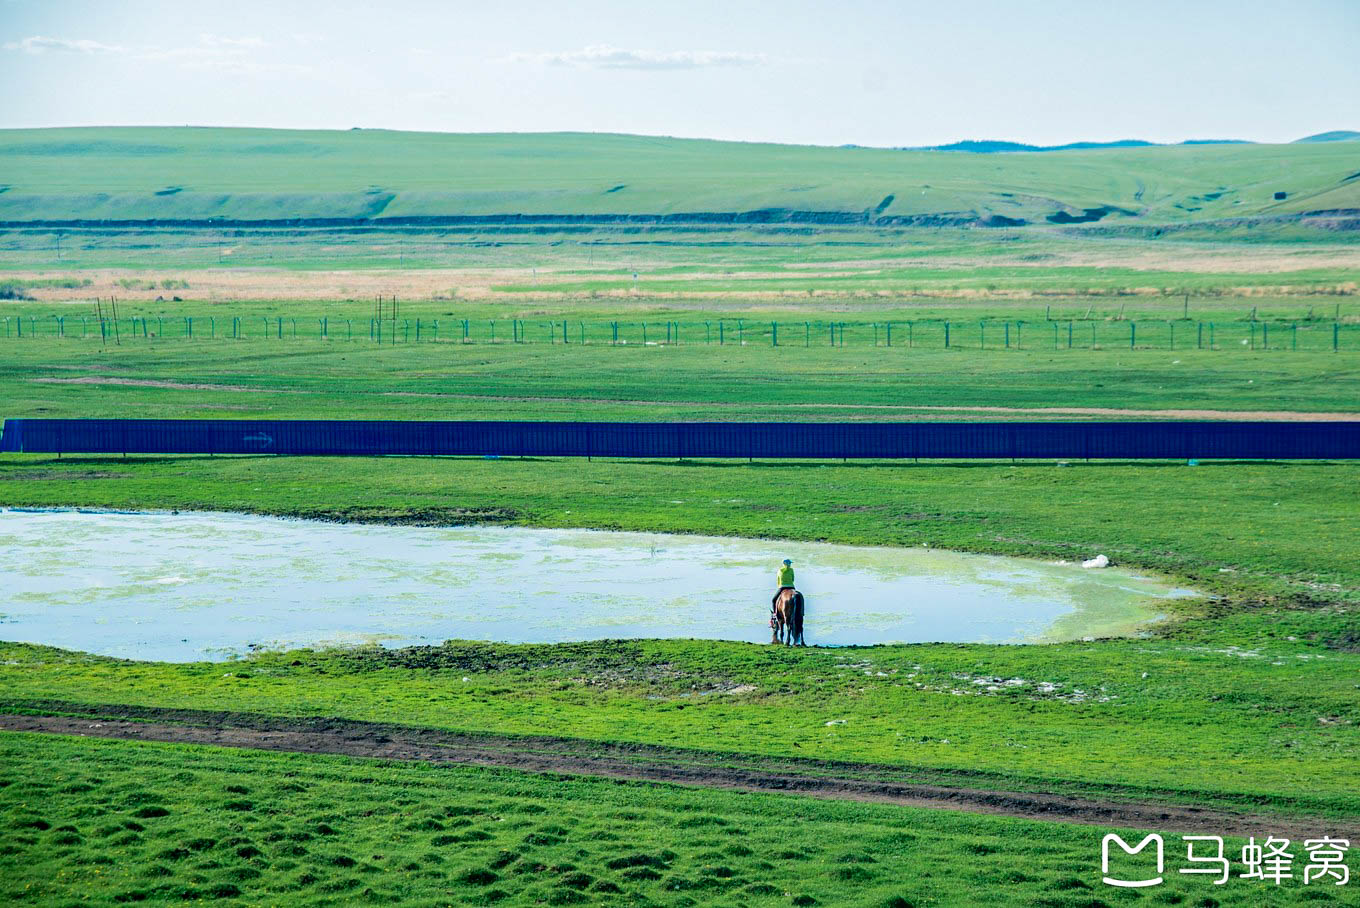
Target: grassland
{"x":186,"y":173}
{"x":110,"y":823}
{"x":1243,"y":700}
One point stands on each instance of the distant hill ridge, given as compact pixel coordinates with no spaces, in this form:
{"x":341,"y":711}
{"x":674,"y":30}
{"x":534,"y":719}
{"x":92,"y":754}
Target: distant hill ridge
{"x":96,"y":178}
{"x":990,"y":146}
{"x":1336,"y":135}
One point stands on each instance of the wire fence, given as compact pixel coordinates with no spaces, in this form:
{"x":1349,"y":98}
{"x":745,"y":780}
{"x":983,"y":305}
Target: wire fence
{"x":1075,"y":334}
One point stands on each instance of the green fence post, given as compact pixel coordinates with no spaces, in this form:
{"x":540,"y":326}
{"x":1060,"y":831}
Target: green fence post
{"x":1199,"y":337}
{"x":1253,"y":335}
{"x":1069,"y":335}
{"x":1294,"y":336}
{"x":807,"y":334}
{"x":708,"y":333}
{"x":1211,"y":335}
{"x":1055,"y":335}
{"x":1133,"y":334}
{"x":1171,"y":326}
{"x":982,"y":329}
{"x":909,"y":332}
{"x":741,"y":333}
{"x":875,"y":334}
{"x":1336,"y":336}
{"x":946,"y":335}
{"x":774,"y":334}
{"x":720,"y":333}
{"x":1008,"y":335}
{"x":418,"y":327}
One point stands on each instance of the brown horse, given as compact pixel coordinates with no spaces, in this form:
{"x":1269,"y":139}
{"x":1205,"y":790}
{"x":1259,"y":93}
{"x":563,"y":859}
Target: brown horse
{"x":786,"y":622}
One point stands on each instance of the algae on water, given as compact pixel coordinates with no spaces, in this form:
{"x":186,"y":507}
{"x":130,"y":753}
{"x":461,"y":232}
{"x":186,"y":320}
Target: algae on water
{"x":181,"y":587}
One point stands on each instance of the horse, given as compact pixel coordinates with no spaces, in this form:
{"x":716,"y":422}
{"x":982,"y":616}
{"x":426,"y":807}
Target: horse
{"x":787,"y":621}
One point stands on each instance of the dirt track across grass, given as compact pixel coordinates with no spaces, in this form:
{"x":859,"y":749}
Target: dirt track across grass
{"x":641,"y":763}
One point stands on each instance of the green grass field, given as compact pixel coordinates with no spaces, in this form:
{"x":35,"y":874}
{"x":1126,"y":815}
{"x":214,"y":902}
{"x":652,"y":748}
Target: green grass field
{"x":120,"y":823}
{"x":1243,"y":700}
{"x":138,"y":173}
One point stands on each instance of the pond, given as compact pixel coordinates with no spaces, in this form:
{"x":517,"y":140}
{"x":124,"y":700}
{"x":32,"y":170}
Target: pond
{"x":190,"y":586}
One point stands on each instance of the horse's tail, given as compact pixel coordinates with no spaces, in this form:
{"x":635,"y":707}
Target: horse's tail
{"x":798,"y":615}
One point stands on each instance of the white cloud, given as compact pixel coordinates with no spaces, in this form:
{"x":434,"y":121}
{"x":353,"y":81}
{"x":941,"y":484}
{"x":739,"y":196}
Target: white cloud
{"x":223,"y":41}
{"x":41,"y":44}
{"x":225,"y":54}
{"x":605,"y":56}
{"x":216,"y":52}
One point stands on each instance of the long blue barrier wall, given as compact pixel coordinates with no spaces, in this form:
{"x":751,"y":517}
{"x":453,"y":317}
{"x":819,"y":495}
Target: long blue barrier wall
{"x":952,"y":440}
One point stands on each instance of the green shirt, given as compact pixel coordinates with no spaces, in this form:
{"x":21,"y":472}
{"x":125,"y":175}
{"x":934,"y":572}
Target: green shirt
{"x":785,"y":575}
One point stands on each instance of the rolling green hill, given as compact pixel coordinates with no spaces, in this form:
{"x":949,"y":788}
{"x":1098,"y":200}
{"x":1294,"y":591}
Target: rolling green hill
{"x":201,"y":173}
{"x":1336,"y":135}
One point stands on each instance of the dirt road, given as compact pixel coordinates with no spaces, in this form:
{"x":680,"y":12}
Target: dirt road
{"x":642,"y":763}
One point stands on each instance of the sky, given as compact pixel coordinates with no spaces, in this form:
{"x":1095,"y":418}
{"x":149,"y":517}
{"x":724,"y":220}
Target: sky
{"x":866,"y":72}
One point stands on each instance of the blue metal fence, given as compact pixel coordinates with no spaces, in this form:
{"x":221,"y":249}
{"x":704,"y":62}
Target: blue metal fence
{"x":950,"y":440}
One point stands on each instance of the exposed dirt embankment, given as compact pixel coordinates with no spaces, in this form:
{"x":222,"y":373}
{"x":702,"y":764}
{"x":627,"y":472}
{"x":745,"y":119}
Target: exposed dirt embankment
{"x":645,"y":763}
{"x":685,"y":218}
{"x":1131,"y":222}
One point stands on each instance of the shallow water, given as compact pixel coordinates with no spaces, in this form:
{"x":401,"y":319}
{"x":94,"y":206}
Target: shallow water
{"x":180,"y":587}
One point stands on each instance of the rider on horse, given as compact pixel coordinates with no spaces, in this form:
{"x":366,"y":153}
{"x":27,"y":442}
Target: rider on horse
{"x":786,"y":609}
{"x":785,"y":578}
